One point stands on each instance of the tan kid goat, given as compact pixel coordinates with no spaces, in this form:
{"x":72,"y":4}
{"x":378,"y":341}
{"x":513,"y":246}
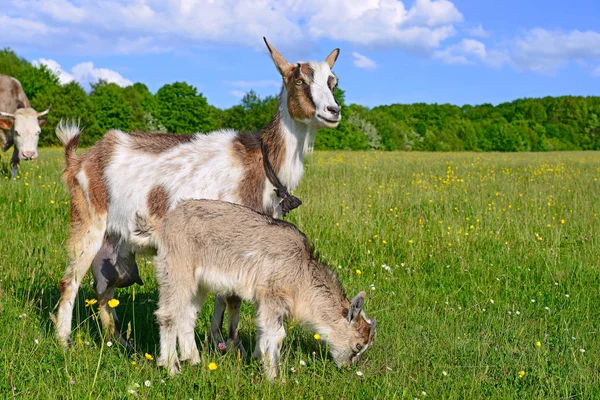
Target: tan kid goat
{"x":123,"y":174}
{"x":208,"y":246}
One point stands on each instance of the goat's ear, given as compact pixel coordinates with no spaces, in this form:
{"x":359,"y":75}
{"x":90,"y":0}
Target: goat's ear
{"x":42,"y":122}
{"x":356,"y":306}
{"x":6,"y":123}
{"x":332,"y":57}
{"x":282,"y":65}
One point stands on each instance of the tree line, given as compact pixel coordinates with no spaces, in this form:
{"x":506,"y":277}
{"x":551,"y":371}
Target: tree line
{"x":550,"y":123}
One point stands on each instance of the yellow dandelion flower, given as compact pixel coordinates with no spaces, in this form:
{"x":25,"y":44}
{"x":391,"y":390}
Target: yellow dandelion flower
{"x":562,"y":221}
{"x":148,"y":357}
{"x":133,"y":363}
{"x":411,"y":241}
{"x":358,"y":272}
{"x":521,"y":374}
{"x":112,"y":303}
{"x":317,"y":336}
{"x":51,"y":201}
{"x":90,"y":302}
{"x":538,"y":344}
{"x":212,"y":366}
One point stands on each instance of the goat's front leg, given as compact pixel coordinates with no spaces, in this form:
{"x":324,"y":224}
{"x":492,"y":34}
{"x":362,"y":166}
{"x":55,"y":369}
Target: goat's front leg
{"x":188,"y":351}
{"x":270,"y":337}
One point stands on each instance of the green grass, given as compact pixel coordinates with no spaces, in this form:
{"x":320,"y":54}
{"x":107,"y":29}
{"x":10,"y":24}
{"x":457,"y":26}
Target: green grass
{"x":489,"y":254}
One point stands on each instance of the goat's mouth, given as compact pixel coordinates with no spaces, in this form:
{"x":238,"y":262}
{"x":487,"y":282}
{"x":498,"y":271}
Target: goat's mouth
{"x":328,"y":121}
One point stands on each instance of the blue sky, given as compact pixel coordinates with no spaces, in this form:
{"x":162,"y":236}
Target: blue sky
{"x":434,"y":51}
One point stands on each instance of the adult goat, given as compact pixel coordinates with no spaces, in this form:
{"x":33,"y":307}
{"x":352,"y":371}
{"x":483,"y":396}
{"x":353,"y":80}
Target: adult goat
{"x":124,"y":174}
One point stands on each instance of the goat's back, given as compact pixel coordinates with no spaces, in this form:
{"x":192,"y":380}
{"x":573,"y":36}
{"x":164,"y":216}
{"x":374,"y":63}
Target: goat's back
{"x":233,"y":248}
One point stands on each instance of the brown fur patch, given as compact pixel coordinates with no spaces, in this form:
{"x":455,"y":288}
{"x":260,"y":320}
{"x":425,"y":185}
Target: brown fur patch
{"x":156,"y":143}
{"x":94,"y":164}
{"x":363,"y":328}
{"x":246,"y":149}
{"x":158,"y":202}
{"x":64,"y":284}
{"x":275,"y":143}
{"x":301,"y":105}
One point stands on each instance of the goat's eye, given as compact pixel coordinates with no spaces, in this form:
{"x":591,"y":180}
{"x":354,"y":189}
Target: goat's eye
{"x":358,"y":347}
{"x":299,"y":82}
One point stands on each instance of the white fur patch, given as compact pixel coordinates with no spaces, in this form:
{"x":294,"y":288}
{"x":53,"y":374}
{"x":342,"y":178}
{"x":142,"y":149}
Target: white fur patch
{"x":200,"y":169}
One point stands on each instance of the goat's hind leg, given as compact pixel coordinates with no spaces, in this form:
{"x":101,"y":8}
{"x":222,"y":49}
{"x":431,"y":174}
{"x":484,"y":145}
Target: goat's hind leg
{"x":216,"y":324}
{"x":85,"y":240}
{"x":233,"y":314}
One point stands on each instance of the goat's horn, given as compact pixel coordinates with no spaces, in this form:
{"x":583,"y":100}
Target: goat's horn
{"x":41,"y":114}
{"x":5,"y":114}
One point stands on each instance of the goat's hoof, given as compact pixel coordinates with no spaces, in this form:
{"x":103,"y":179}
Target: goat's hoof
{"x":237,"y":346}
{"x":192,"y":359}
{"x":65,"y":342}
{"x":174,"y":368}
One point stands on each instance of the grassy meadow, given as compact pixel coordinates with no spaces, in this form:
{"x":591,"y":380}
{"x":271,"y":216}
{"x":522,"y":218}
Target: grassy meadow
{"x":483,"y":272}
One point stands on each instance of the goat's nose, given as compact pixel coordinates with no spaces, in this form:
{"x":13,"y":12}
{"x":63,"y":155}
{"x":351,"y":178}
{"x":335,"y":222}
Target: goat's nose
{"x":334,"y":110}
{"x":29,"y":155}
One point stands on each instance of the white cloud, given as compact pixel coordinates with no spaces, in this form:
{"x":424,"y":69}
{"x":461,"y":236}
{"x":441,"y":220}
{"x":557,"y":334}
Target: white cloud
{"x":462,"y":52}
{"x":544,"y":51}
{"x":142,"y":26}
{"x":253,"y":84}
{"x":386,"y":23}
{"x":63,"y":76}
{"x":363,"y":62}
{"x":468,"y":51}
{"x":84,"y":73}
{"x":478,"y":31}
{"x":237,"y":93}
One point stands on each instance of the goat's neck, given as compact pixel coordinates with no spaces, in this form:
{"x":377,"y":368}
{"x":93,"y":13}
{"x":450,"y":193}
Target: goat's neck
{"x":323,"y":303}
{"x":286,"y":140}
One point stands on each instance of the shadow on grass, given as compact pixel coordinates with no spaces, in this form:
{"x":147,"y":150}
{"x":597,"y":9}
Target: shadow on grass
{"x":136,"y":315}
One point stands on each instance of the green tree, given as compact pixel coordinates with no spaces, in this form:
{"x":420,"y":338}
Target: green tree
{"x":69,"y":102}
{"x":11,"y":64}
{"x":110,"y":107}
{"x":38,"y":80}
{"x":181,"y":109}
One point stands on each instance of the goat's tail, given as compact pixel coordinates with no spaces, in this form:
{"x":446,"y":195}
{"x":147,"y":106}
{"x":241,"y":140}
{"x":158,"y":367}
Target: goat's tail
{"x":143,"y":231}
{"x":69,"y":133}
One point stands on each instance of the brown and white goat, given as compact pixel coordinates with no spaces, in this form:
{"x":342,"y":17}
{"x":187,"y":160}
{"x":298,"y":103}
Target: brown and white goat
{"x":208,"y":246}
{"x":124,"y":174}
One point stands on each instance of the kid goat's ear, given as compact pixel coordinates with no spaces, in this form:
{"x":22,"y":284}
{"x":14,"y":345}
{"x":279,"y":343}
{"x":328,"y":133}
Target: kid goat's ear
{"x":356,"y":306}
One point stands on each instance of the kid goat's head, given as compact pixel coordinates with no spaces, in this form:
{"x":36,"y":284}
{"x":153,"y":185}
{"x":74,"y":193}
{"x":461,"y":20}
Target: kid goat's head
{"x":308,"y":89}
{"x":347,"y":349}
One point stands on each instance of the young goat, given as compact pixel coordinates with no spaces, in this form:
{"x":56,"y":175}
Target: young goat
{"x":123,"y":174}
{"x":207,"y":246}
